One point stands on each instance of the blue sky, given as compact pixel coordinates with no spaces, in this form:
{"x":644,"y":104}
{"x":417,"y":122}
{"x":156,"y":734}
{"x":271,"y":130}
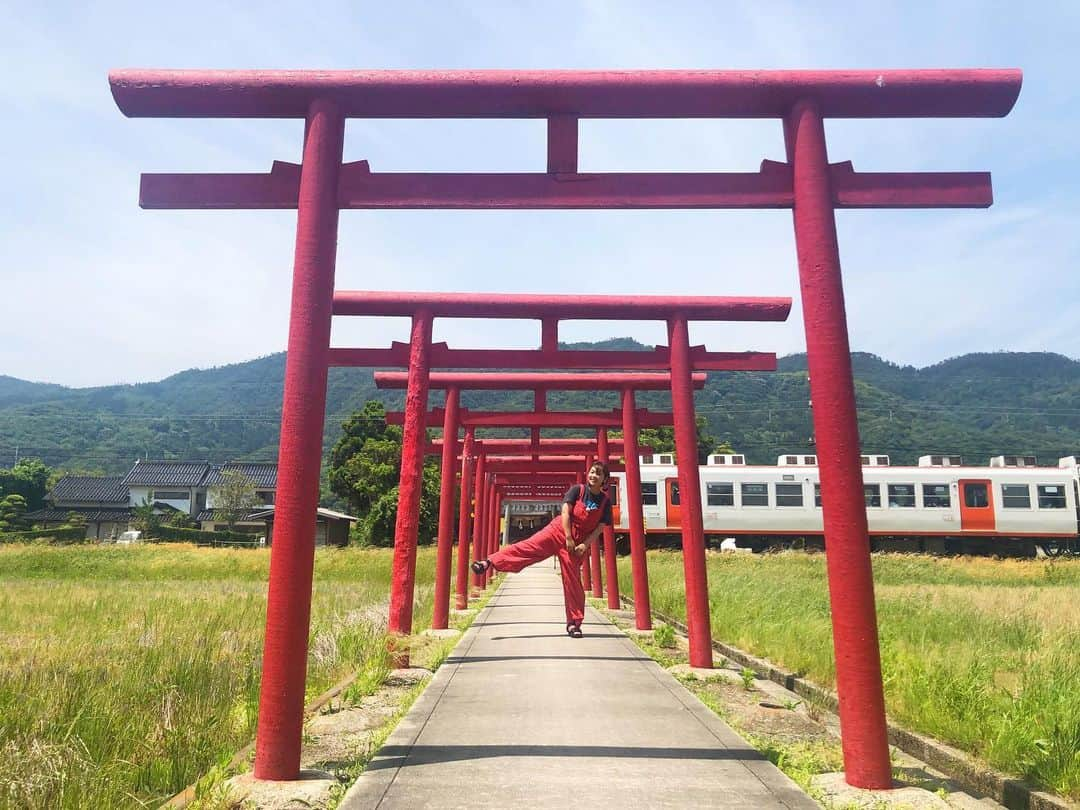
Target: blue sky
{"x":97,"y":291}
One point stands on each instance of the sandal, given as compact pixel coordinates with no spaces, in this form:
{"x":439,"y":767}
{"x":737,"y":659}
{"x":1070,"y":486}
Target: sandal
{"x":573,"y":630}
{"x":481,"y":567}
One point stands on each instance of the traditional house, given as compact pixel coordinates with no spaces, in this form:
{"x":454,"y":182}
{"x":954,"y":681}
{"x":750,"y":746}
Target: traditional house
{"x":331,"y":528}
{"x":106,"y":503}
{"x":175,"y":485}
{"x":262,"y":476}
{"x":102,"y":502}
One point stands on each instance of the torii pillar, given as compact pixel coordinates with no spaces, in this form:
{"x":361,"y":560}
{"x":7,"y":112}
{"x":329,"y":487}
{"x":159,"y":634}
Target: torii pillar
{"x":461,"y":585}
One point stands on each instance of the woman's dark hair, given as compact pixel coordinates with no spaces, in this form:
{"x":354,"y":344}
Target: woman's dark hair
{"x":603,"y":468}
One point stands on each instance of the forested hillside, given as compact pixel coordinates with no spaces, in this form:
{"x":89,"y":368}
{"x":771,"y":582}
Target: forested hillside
{"x":977,"y":405}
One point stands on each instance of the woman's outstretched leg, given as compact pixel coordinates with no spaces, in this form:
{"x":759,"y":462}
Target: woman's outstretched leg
{"x":540,"y":546}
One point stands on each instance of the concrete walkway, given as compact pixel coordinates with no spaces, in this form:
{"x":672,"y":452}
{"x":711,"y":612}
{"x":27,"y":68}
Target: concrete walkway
{"x":522,"y":716}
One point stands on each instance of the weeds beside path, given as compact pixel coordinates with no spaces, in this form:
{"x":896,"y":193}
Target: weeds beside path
{"x":982,"y":654}
{"x":127,"y":672}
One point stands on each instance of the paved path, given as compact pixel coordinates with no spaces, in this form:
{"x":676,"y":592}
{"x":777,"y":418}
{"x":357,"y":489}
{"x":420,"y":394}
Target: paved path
{"x":522,"y":716}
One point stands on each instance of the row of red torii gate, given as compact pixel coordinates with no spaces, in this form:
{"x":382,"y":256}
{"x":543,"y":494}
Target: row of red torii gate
{"x":322,"y":185}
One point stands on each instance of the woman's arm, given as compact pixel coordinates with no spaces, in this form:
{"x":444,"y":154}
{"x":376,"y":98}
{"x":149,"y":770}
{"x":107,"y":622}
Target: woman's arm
{"x":566,"y":526}
{"x":595,"y":533}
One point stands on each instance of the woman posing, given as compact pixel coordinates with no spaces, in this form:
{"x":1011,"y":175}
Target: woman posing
{"x":585,"y":511}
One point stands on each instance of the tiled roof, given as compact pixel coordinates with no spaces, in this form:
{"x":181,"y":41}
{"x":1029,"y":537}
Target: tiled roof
{"x":325,"y":514}
{"x":91,"y":515}
{"x":208,"y":515}
{"x":89,"y":489}
{"x":262,"y":476}
{"x":167,"y":474}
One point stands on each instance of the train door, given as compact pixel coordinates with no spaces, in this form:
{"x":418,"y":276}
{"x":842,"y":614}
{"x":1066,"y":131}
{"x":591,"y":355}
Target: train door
{"x":976,"y":505}
{"x":671,"y":497}
{"x":613,"y":496}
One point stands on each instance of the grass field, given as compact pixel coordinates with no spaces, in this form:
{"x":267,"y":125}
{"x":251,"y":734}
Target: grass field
{"x":983,"y":654}
{"x":128,"y":671}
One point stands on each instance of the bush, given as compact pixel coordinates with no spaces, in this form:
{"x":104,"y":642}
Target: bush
{"x":61,"y":534}
{"x":170,"y":534}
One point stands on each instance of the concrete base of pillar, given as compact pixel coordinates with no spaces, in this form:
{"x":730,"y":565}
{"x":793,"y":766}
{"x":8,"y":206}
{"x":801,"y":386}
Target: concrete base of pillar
{"x":407,"y":676}
{"x":312,"y":789}
{"x":841,"y":794}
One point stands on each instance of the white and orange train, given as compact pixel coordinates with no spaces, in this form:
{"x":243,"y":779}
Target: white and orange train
{"x":942,"y":505}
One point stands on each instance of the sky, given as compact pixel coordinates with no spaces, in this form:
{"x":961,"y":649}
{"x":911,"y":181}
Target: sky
{"x":95,"y":291}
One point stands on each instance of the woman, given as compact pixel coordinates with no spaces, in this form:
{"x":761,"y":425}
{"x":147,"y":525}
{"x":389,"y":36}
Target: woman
{"x":585,"y":511}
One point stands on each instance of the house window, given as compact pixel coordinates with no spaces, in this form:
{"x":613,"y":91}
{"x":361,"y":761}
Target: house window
{"x":170,"y":495}
{"x":901,"y":496}
{"x":648,"y":493}
{"x":1051,"y":496}
{"x":817,"y":495}
{"x":755,"y":494}
{"x":265,"y":496}
{"x":720,"y":494}
{"x":1015,"y":496}
{"x":789,"y":494}
{"x":936,"y":496}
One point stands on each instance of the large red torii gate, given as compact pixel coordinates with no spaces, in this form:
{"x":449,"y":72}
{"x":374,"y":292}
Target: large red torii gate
{"x":806,"y":183}
{"x":681,"y":359}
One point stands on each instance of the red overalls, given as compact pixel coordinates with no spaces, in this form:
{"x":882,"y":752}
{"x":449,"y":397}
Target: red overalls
{"x":551,"y":540}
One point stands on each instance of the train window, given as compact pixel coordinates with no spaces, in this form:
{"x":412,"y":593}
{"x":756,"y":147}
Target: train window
{"x":675,"y":499}
{"x":936,"y":496}
{"x":872,"y":494}
{"x":1051,"y":496}
{"x":648,"y":493}
{"x":901,"y":496}
{"x":720,"y":494}
{"x":817,"y":495}
{"x":613,"y":491}
{"x":1015,"y":496}
{"x":789,"y":494}
{"x":976,"y":495}
{"x":755,"y":494}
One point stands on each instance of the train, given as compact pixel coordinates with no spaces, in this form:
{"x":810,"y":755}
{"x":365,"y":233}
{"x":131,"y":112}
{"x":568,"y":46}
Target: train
{"x":1011,"y":507}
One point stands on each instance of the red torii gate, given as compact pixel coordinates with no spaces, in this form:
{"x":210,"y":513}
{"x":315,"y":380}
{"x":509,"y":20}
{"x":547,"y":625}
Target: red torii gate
{"x":541,"y":384}
{"x":806,"y":183}
{"x":681,"y":359}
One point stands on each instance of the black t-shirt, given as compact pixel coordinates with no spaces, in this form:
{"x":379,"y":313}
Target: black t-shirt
{"x":591,"y":502}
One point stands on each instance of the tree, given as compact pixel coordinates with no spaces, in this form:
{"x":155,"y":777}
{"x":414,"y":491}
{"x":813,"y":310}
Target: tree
{"x":29,"y":477}
{"x":76,"y":520}
{"x":143,"y":517}
{"x":234,"y":497}
{"x":364,"y":469}
{"x":662,"y":439}
{"x":180,"y":520}
{"x":12,"y":509}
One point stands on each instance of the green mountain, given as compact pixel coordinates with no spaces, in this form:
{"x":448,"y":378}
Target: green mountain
{"x":977,"y":405}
